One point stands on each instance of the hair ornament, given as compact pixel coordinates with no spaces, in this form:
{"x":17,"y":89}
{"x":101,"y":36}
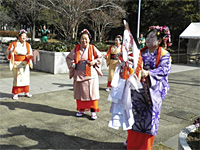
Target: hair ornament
{"x":163,"y":31}
{"x":119,"y":36}
{"x":86,"y":31}
{"x":22,"y":31}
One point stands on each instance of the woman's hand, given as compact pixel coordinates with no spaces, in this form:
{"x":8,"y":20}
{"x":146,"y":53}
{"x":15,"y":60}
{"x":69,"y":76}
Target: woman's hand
{"x":105,"y":56}
{"x":92,"y":63}
{"x":145,"y":73}
{"x":73,"y":65}
{"x":29,"y":57}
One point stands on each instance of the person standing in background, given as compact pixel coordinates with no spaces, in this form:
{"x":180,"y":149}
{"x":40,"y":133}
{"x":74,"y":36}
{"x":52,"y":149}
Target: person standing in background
{"x":112,"y":59}
{"x":141,"y":41}
{"x":44,"y":33}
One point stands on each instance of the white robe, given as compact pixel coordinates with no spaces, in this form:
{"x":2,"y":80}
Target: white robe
{"x":21,"y":70}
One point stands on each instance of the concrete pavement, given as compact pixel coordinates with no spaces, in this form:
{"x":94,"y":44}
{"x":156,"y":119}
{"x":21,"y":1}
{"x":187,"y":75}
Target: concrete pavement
{"x":47,"y":120}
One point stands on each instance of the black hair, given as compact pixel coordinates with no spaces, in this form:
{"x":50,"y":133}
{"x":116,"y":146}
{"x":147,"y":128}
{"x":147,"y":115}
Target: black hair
{"x":159,"y":35}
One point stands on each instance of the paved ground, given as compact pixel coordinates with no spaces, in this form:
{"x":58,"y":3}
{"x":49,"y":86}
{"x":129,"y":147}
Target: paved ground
{"x":47,"y":120}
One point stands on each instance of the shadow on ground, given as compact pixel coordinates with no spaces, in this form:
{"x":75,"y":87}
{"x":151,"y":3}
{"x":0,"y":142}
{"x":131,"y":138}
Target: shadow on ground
{"x":38,"y":108}
{"x":63,"y":85}
{"x":55,"y":140}
{"x":5,"y":95}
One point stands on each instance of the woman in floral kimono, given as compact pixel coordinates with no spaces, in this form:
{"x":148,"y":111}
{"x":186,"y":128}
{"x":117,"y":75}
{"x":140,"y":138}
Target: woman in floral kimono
{"x":84,"y":63}
{"x":112,"y":59}
{"x":20,"y":55}
{"x":147,"y":102}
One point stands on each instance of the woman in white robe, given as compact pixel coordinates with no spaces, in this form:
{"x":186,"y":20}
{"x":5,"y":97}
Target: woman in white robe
{"x":20,"y":55}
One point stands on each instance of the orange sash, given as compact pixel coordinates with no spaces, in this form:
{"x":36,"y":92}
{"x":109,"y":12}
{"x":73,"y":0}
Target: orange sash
{"x":19,"y":57}
{"x":90,"y":51}
{"x":108,"y":53}
{"x":139,"y":65}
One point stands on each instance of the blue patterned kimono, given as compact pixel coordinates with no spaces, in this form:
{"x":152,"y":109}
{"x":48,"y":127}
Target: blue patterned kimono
{"x":146,"y":103}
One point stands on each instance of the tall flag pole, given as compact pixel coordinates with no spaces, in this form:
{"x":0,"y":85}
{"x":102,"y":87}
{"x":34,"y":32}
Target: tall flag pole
{"x":138,"y":27}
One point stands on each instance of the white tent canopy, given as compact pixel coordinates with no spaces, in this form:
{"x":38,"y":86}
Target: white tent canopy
{"x":192,"y":32}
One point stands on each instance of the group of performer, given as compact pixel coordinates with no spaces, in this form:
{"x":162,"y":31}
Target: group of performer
{"x":137,"y":107}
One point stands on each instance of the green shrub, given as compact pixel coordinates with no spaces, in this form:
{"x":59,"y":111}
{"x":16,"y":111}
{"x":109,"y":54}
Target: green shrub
{"x":102,"y":46}
{"x":58,"y":47}
{"x":70,"y":44}
{"x":54,"y":47}
{"x":34,"y":45}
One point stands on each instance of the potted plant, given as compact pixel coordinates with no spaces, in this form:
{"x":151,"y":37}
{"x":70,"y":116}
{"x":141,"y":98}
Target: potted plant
{"x":186,"y":136}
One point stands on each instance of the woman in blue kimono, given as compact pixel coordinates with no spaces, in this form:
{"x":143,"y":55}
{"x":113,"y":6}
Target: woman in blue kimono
{"x":147,"y":102}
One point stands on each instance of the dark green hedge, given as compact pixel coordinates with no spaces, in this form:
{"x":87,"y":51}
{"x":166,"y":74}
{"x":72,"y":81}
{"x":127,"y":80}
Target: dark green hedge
{"x":62,"y":46}
{"x":54,"y":47}
{"x":66,"y":46}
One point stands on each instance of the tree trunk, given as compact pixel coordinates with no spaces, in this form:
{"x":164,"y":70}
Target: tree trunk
{"x":76,"y":31}
{"x":100,"y":37}
{"x":33,"y":32}
{"x":73,"y":32}
{"x":95,"y":36}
